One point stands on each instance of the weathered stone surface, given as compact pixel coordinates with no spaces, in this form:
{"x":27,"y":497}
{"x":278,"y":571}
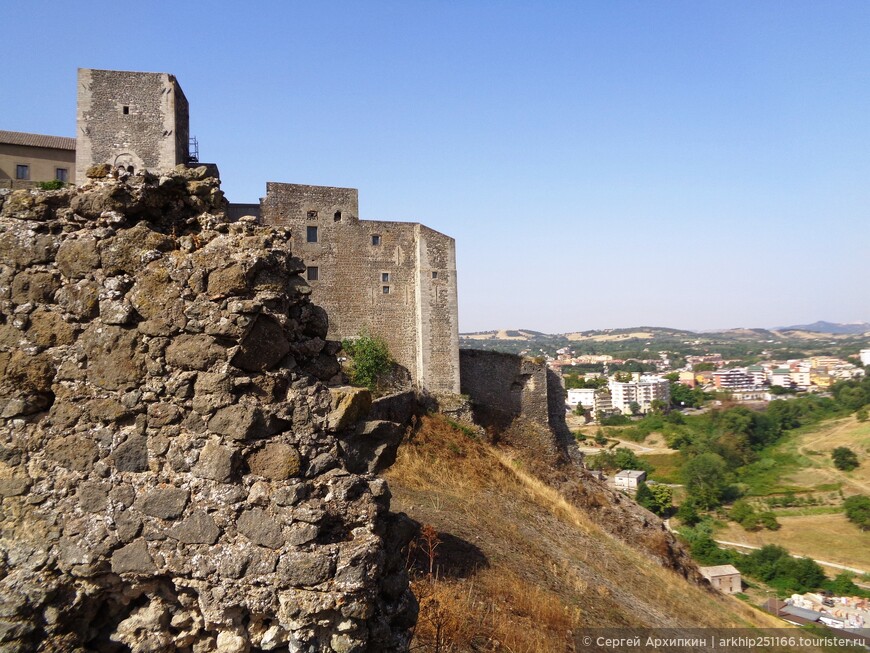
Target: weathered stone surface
{"x":238,"y":422}
{"x":215,"y":462}
{"x":260,"y":528}
{"x":74,"y":452}
{"x":48,"y":329}
{"x":133,"y":558}
{"x":34,"y":287}
{"x":132,"y":455}
{"x":304,"y":569}
{"x":199,"y":528}
{"x":372,"y":447}
{"x":230,"y":280}
{"x":263,"y":347}
{"x":165,"y":503}
{"x":167,"y":476}
{"x":114,"y":360}
{"x":194,"y":352}
{"x":78,"y":257}
{"x":349,"y":406}
{"x":276,"y":461}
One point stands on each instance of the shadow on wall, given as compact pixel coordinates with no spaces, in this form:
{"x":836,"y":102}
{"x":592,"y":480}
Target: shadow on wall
{"x":518,"y":397}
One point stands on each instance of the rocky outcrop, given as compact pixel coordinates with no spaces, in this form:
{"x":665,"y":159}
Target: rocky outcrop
{"x":169,"y":476}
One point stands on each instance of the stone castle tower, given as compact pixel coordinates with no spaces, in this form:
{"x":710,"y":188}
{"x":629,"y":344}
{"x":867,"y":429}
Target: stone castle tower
{"x":396,"y":280}
{"x":130,"y":120}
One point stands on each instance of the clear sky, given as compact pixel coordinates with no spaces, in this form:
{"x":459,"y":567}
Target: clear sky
{"x":600,"y":164}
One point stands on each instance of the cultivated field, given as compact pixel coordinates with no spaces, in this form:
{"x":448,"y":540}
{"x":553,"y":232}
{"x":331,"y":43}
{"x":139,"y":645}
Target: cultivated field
{"x":831,"y":538}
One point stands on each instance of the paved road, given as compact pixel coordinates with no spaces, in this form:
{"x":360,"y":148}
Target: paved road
{"x":793,"y":555}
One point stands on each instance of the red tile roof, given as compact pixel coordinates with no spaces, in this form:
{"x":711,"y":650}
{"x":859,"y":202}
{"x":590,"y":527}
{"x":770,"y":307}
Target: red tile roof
{"x":37,"y":140}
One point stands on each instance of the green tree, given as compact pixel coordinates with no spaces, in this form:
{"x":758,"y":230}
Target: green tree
{"x":371,"y":360}
{"x":634,"y":407}
{"x":687,"y":513}
{"x":705,"y":479}
{"x":662,"y":498}
{"x":768,"y":520}
{"x":861,"y":415}
{"x":844,"y":459}
{"x":858,"y":511}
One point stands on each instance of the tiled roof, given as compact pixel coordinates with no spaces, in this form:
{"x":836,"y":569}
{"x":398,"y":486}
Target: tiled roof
{"x":37,"y":140}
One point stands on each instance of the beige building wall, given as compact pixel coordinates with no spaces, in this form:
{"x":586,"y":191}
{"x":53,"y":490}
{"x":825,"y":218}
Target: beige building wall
{"x":43,"y":162}
{"x":396,"y":280}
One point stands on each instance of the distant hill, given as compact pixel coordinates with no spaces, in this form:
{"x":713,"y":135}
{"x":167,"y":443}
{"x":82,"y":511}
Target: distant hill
{"x":854,"y":328}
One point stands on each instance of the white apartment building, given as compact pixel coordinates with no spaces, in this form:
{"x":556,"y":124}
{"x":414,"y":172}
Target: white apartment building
{"x":594,"y":399}
{"x":865,"y":356}
{"x":643,"y":391}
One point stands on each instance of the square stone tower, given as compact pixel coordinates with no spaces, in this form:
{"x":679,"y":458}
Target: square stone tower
{"x":132,"y":120}
{"x":396,"y":280}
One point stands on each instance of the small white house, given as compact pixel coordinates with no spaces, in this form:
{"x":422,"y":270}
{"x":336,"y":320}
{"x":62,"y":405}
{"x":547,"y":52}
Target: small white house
{"x":629,"y":479}
{"x":724,"y":578}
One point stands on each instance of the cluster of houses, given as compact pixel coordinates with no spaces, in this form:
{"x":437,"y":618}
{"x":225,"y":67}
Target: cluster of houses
{"x":753,"y":383}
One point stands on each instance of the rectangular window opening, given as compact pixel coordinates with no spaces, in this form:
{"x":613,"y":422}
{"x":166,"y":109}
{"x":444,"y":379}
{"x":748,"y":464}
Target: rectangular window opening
{"x":312,"y":273}
{"x":126,"y":110}
{"x":22,"y":171}
{"x":311,"y":234}
{"x":376,"y":240}
{"x":434,"y":275}
{"x":385,"y":277}
{"x":61,"y":174}
{"x":386,"y":290}
{"x":336,"y":217}
{"x":312,"y":214}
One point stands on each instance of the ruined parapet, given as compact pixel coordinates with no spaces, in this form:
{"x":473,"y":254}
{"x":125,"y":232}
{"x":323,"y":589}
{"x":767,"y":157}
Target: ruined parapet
{"x":170,"y":472}
{"x":519,"y":398}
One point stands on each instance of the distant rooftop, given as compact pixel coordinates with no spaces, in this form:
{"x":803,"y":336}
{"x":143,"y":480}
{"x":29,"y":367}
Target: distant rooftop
{"x":719,"y":570}
{"x":37,"y":140}
{"x":630,"y":473}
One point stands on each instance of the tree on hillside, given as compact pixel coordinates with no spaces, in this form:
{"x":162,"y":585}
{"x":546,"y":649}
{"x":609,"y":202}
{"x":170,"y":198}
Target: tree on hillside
{"x":844,"y":459}
{"x":705,"y":479}
{"x":858,"y":511}
{"x":371,"y":360}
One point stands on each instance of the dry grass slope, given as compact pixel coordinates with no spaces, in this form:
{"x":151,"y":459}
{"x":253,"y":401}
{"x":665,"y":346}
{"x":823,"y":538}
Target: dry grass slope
{"x":519,"y":568}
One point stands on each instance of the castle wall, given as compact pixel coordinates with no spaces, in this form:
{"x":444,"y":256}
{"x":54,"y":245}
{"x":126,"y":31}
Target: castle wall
{"x":520,"y":398}
{"x":376,"y":277}
{"x":130,"y":119}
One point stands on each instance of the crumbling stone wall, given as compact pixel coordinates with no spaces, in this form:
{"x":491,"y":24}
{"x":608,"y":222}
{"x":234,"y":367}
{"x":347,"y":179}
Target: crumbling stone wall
{"x":174,"y":475}
{"x":130,"y":119}
{"x":518,"y":398}
{"x":396,"y":280}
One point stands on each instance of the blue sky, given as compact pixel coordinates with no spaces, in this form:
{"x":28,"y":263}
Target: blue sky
{"x":600,"y":164}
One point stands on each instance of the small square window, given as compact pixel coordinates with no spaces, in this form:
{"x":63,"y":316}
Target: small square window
{"x":22,"y":172}
{"x":376,"y":240}
{"x":126,"y":110}
{"x":385,"y":277}
{"x":61,"y":174}
{"x":311,"y":234}
{"x":336,"y":217}
{"x":312,"y":273}
{"x":386,"y":290}
{"x":434,"y":274}
{"x":312,"y":214}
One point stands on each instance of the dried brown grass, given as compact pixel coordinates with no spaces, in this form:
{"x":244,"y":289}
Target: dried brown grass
{"x":544,"y":568}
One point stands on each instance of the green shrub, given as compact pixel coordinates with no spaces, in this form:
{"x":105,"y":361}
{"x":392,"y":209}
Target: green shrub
{"x":371,"y":360}
{"x":858,"y":511}
{"x":54,"y":184}
{"x":844,"y":459}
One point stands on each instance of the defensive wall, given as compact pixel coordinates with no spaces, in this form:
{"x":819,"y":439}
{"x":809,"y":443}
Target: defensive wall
{"x":396,"y":280}
{"x":509,"y":391}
